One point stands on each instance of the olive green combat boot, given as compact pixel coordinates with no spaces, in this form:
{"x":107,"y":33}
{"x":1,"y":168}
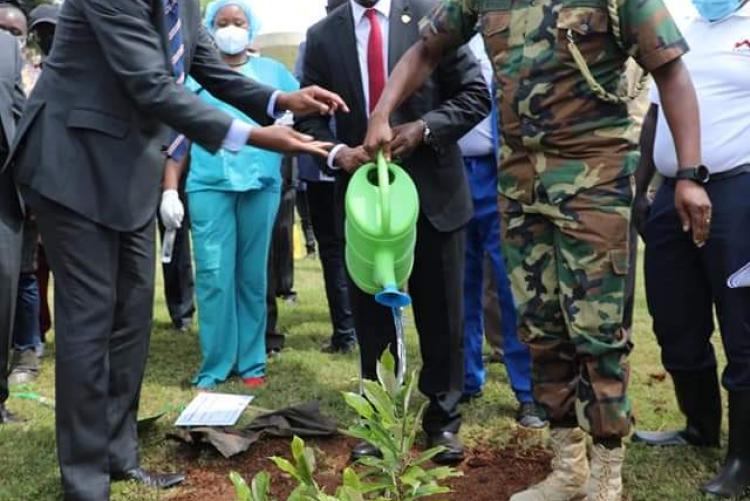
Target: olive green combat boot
{"x":605,"y":483}
{"x":570,"y":469}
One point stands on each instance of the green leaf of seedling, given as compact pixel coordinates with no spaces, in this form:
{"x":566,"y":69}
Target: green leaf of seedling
{"x":287,"y":467}
{"x":444,"y":472}
{"x":351,"y":479}
{"x":382,"y":402}
{"x":413,"y":476}
{"x":359,"y":404}
{"x":386,"y":371}
{"x":428,"y":455}
{"x":307,"y":466}
{"x":241,"y":490}
{"x":406,"y":393}
{"x":259,"y":486}
{"x":345,"y":493}
{"x":429,"y":490}
{"x":298,"y":448}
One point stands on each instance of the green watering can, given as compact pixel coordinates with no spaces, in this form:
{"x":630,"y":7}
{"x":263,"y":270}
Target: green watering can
{"x":382,"y":206}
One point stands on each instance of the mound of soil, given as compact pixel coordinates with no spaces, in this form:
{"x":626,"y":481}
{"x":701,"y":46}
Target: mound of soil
{"x":489,"y":475}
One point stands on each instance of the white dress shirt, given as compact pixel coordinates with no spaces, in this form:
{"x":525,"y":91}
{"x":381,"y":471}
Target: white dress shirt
{"x":362,"y":35}
{"x":719,"y":65}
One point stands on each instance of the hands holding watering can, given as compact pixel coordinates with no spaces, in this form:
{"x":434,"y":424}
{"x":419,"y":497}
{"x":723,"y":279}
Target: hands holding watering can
{"x":398,"y":142}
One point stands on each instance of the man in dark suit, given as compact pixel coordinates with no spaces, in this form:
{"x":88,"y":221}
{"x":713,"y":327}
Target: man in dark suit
{"x":11,"y":210}
{"x":351,"y":51}
{"x":88,"y":158}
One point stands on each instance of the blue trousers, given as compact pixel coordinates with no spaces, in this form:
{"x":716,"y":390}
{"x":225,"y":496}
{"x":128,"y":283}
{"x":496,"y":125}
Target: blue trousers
{"x":685,"y":283}
{"x":483,"y":236}
{"x":26,"y":333}
{"x":231,"y":237}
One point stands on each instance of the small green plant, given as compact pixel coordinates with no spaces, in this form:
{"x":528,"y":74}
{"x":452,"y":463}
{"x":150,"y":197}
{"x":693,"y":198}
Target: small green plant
{"x":386,"y":421}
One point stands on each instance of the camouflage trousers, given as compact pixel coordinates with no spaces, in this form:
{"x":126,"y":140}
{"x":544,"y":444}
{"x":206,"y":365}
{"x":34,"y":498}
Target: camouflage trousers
{"x":568,"y":265}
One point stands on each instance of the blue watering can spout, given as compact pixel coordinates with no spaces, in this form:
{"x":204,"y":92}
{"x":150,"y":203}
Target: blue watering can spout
{"x":391,"y":297}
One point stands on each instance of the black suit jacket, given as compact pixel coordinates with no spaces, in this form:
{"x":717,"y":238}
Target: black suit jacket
{"x":94,"y":126}
{"x":12,"y":100}
{"x":452,"y":102}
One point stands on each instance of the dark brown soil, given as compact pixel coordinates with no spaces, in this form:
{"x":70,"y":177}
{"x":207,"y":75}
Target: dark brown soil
{"x":489,"y":475}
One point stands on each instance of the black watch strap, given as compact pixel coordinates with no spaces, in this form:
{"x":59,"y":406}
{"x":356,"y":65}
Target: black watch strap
{"x":699,"y":174}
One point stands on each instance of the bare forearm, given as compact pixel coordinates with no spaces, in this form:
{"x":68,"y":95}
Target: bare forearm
{"x":173,"y":173}
{"x":680,"y":106}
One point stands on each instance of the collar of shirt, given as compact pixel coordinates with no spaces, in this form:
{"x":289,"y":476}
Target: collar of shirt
{"x":358,"y":11}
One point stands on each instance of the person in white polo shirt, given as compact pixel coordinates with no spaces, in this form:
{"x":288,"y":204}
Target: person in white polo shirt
{"x":686,"y":279}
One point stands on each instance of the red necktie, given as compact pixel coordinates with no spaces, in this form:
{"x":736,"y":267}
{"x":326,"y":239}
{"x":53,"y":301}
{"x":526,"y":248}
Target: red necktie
{"x":375,"y":63}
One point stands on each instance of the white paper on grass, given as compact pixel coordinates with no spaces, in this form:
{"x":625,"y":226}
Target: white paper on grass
{"x":741,"y":278}
{"x":214,"y":409}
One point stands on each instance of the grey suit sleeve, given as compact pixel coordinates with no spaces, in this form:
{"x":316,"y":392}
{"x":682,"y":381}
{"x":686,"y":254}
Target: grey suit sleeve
{"x":466,"y":100}
{"x":228,"y":85}
{"x":315,"y":72}
{"x":132,"y":47}
{"x":19,"y":96}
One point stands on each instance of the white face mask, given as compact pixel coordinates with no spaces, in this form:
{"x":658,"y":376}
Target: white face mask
{"x":232,"y":39}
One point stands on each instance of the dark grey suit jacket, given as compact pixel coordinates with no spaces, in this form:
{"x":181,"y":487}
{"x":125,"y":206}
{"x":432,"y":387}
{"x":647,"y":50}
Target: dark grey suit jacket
{"x":452,"y":102}
{"x":94,"y":126}
{"x":12,"y":100}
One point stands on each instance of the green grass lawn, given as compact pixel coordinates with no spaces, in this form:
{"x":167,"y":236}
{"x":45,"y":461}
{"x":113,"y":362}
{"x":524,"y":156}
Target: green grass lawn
{"x":28,"y":469}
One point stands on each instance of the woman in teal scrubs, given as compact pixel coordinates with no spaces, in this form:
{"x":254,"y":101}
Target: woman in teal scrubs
{"x":233,"y":199}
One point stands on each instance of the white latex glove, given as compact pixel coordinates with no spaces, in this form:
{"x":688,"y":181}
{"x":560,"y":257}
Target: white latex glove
{"x":171,"y":210}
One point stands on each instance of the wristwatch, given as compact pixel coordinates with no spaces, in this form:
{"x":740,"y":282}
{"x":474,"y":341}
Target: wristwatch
{"x":427,"y":137}
{"x":700,"y":174}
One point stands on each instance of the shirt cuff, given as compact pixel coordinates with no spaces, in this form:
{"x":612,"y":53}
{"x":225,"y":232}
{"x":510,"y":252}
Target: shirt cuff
{"x":271,"y":109}
{"x":238,"y":136}
{"x":332,"y":156}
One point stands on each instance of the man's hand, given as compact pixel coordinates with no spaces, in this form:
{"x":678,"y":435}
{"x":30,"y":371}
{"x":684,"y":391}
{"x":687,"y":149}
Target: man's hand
{"x":694,"y":208}
{"x":379,"y":136}
{"x":406,"y":138}
{"x":171,"y":210}
{"x":351,"y":159}
{"x":287,"y":140}
{"x":311,"y":100}
{"x":641,"y":209}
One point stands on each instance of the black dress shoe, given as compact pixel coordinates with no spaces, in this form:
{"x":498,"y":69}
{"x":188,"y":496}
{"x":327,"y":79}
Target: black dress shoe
{"x":6,"y":417}
{"x":147,"y":478}
{"x":699,"y":400}
{"x":453,"y":452}
{"x":733,"y":480}
{"x":363,"y":450}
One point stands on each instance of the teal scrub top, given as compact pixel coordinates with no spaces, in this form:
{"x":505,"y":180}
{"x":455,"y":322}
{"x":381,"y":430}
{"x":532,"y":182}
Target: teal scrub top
{"x":250,"y":168}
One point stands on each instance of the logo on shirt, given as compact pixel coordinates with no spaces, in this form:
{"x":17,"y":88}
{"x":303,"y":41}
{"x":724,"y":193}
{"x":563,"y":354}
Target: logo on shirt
{"x":742,"y":47}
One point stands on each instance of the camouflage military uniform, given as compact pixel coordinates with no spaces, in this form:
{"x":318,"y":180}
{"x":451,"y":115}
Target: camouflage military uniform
{"x":566,"y":186}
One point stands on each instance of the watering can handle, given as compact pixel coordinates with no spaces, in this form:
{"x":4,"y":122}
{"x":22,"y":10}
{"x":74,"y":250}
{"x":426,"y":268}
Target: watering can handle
{"x":384,"y":186}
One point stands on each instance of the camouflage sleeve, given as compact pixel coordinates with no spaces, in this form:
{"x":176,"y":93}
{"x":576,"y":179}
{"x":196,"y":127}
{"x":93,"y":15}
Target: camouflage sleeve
{"x":649,"y":33}
{"x":455,"y":18}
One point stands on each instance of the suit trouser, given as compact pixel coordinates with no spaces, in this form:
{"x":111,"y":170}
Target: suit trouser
{"x":303,"y":209}
{"x":684,"y":283}
{"x":435,"y":286}
{"x":568,"y":265}
{"x":11,"y":230}
{"x":283,"y":244}
{"x":483,"y":236}
{"x":179,"y":286}
{"x":321,"y":198}
{"x":231,"y":238}
{"x":104,"y":292}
